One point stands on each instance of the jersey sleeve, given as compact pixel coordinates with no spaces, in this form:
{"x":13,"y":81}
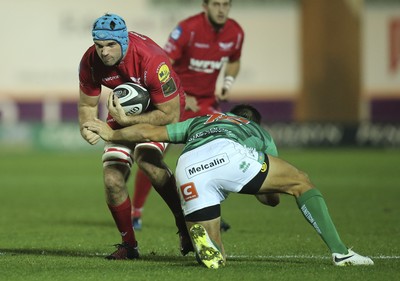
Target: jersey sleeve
{"x":86,"y":81}
{"x":238,"y":44}
{"x":177,"y":39}
{"x":178,"y":132}
{"x":162,"y":83}
{"x":270,"y":147}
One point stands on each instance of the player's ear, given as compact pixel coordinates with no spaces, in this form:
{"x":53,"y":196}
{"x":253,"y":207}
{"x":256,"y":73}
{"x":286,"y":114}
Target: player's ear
{"x":204,"y":5}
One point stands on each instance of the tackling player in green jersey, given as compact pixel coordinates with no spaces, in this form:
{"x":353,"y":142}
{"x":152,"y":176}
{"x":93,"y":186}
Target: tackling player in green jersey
{"x":231,"y":153}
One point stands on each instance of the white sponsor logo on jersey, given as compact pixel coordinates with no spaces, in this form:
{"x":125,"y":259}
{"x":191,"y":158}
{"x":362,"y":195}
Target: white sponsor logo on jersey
{"x":107,"y":79}
{"x":225,"y":46}
{"x":201,"y":45}
{"x":207,"y":165}
{"x":207,"y":66}
{"x":136,"y":80}
{"x":138,"y":35}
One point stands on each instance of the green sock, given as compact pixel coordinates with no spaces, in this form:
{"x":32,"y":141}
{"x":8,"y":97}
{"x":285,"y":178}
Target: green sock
{"x":314,"y":209}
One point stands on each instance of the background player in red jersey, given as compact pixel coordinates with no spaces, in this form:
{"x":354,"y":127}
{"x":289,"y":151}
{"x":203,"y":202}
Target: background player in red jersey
{"x":119,"y":56}
{"x":199,"y":47}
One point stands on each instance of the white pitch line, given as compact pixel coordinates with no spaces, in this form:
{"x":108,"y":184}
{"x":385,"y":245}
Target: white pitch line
{"x":379,"y":257}
{"x":382,"y":257}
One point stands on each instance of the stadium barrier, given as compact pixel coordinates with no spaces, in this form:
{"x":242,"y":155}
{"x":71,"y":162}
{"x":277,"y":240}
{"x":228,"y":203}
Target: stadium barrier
{"x":54,"y":126}
{"x":66,"y":136}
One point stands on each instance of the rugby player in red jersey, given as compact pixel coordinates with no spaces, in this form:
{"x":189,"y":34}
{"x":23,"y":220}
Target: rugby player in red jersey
{"x":119,"y":56}
{"x":199,"y":47}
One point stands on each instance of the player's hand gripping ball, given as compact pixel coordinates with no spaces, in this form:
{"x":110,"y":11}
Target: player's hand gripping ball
{"x":133,"y":98}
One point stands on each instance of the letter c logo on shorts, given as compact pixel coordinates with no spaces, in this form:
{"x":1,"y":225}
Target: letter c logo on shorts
{"x":189,"y":191}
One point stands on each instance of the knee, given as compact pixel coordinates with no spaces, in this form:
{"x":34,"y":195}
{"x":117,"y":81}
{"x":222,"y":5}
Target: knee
{"x":114,"y":179}
{"x":303,"y":184}
{"x":145,"y":157}
{"x":150,"y":161}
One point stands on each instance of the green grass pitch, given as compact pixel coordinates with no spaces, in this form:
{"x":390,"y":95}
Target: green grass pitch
{"x":54,"y":224}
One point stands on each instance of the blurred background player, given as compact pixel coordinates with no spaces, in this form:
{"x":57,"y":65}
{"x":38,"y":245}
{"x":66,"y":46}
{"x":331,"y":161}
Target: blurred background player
{"x":119,"y":56}
{"x":241,"y":158}
{"x":199,"y":47}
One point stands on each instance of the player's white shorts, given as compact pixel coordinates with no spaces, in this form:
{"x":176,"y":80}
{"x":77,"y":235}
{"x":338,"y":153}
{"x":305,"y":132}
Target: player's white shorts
{"x":206,"y":175}
{"x":117,"y":154}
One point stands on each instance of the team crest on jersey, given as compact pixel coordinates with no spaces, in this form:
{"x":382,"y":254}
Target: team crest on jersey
{"x":163,"y":72}
{"x":169,"y":87}
{"x":176,"y":33}
{"x":225,"y":46}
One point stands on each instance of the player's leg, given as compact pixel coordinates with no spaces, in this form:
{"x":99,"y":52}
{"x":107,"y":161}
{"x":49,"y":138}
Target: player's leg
{"x":116,"y":168}
{"x":142,"y":187}
{"x":201,"y":194}
{"x":285,"y":178}
{"x":141,"y":191}
{"x":206,"y":237}
{"x":150,"y":161}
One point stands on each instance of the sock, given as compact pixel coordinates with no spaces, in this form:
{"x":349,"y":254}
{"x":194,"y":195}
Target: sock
{"x":170,"y":196}
{"x":122,"y":218}
{"x":140,"y":193}
{"x":314,"y":209}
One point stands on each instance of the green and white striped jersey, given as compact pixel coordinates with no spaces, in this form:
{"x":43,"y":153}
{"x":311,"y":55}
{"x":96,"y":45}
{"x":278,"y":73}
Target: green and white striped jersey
{"x":197,"y":131}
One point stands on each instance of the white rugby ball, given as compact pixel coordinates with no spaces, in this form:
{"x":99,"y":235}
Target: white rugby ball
{"x":133,"y":98}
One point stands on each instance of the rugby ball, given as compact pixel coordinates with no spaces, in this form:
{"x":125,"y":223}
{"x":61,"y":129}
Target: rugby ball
{"x":133,"y":98}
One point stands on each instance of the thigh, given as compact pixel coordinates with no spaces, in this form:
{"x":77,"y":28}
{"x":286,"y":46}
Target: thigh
{"x":146,"y":156}
{"x":161,"y":147}
{"x":283,"y":177}
{"x":150,"y":161}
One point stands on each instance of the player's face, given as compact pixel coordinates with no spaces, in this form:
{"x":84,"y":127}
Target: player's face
{"x":217,"y":11}
{"x":109,"y":51}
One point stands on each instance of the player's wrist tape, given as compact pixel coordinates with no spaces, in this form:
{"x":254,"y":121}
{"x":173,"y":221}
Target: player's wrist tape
{"x":228,"y":82}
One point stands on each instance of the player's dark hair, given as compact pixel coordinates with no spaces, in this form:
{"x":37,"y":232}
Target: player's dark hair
{"x":206,"y":1}
{"x":247,"y":111}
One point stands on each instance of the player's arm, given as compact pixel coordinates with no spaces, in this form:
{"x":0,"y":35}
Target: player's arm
{"x":164,"y":113}
{"x":131,"y":134}
{"x":231,"y":71}
{"x":87,"y":110}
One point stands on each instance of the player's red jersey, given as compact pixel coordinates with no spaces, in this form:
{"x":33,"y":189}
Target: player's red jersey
{"x":145,"y":63}
{"x":199,"y":52}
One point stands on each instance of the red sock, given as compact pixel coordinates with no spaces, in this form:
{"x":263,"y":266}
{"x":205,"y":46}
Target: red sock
{"x":122,"y":218}
{"x":141,"y":191}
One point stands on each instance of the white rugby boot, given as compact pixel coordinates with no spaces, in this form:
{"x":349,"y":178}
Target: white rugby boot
{"x":350,"y":259}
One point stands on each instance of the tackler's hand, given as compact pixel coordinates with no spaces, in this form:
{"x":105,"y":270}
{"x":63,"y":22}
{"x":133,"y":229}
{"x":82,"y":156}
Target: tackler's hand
{"x":99,"y":128}
{"x":89,"y":136}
